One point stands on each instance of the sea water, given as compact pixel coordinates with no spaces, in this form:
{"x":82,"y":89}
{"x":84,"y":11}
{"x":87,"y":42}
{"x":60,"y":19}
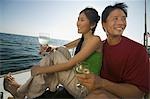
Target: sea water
{"x":19,"y":52}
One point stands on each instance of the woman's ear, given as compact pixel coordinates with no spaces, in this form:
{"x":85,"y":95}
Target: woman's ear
{"x":93,"y":25}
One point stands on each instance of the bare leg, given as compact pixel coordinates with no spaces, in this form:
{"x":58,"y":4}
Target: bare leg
{"x":101,"y":94}
{"x":11,"y":86}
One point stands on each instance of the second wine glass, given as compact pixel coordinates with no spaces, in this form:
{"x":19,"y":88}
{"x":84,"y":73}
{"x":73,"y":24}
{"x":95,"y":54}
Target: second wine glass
{"x":82,"y":68}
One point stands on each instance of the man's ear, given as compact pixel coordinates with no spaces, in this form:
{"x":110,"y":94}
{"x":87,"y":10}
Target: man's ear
{"x":104,"y":25}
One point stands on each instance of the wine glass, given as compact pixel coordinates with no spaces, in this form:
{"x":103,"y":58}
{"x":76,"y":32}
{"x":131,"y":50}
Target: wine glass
{"x":44,"y":40}
{"x":82,"y":68}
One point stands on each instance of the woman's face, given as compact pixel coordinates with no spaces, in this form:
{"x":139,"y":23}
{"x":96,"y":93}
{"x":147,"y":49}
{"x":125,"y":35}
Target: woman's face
{"x":115,"y":23}
{"x":83,"y":24}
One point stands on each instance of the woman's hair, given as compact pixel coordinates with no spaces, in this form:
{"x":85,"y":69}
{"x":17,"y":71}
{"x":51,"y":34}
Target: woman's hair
{"x":111,"y":8}
{"x":93,"y":17}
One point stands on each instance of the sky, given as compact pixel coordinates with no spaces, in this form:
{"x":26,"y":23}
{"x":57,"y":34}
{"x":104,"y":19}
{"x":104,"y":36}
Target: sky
{"x":59,"y":17}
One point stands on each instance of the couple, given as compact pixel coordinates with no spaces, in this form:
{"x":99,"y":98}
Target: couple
{"x":125,"y":65}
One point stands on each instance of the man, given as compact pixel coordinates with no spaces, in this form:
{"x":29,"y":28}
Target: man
{"x":125,"y":67}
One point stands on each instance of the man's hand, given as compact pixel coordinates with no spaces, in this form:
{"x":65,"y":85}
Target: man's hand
{"x":91,"y":81}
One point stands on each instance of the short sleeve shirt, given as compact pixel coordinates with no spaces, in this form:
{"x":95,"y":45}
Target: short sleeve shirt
{"x":126,"y":62}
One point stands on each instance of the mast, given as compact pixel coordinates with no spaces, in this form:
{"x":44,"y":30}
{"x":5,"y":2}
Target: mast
{"x":146,"y":33}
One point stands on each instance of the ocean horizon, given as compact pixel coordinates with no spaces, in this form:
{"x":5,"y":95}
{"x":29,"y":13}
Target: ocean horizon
{"x":20,"y":52}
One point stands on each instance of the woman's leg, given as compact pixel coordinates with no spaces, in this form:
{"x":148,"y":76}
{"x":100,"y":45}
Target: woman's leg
{"x":69,"y":81}
{"x":12,"y":86}
{"x":67,"y":78}
{"x":36,"y":86}
{"x":33,"y":87}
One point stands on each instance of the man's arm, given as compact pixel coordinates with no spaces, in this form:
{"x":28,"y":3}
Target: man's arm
{"x":121,"y":89}
{"x":93,"y":82}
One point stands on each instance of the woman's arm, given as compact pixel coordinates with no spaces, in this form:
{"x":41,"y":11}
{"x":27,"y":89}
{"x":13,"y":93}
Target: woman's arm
{"x":72,"y":44}
{"x":89,"y":47}
{"x":69,"y":45}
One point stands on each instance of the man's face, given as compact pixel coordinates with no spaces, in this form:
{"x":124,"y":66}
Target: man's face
{"x":115,"y":23}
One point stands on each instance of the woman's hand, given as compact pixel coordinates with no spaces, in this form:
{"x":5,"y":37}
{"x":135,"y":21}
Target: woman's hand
{"x":91,"y":81}
{"x":45,"y":48}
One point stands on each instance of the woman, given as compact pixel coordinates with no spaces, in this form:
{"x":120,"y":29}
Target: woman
{"x":88,"y":49}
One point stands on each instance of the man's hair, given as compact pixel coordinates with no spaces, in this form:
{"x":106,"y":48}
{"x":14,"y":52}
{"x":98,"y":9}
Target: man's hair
{"x":110,"y":8}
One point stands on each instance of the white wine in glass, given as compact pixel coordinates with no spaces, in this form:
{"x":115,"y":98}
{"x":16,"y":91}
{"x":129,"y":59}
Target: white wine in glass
{"x":44,"y":38}
{"x":82,"y":68}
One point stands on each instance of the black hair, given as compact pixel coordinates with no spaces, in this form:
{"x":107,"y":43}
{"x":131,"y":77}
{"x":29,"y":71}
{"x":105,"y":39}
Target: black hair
{"x":93,"y":17}
{"x":110,"y":8}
